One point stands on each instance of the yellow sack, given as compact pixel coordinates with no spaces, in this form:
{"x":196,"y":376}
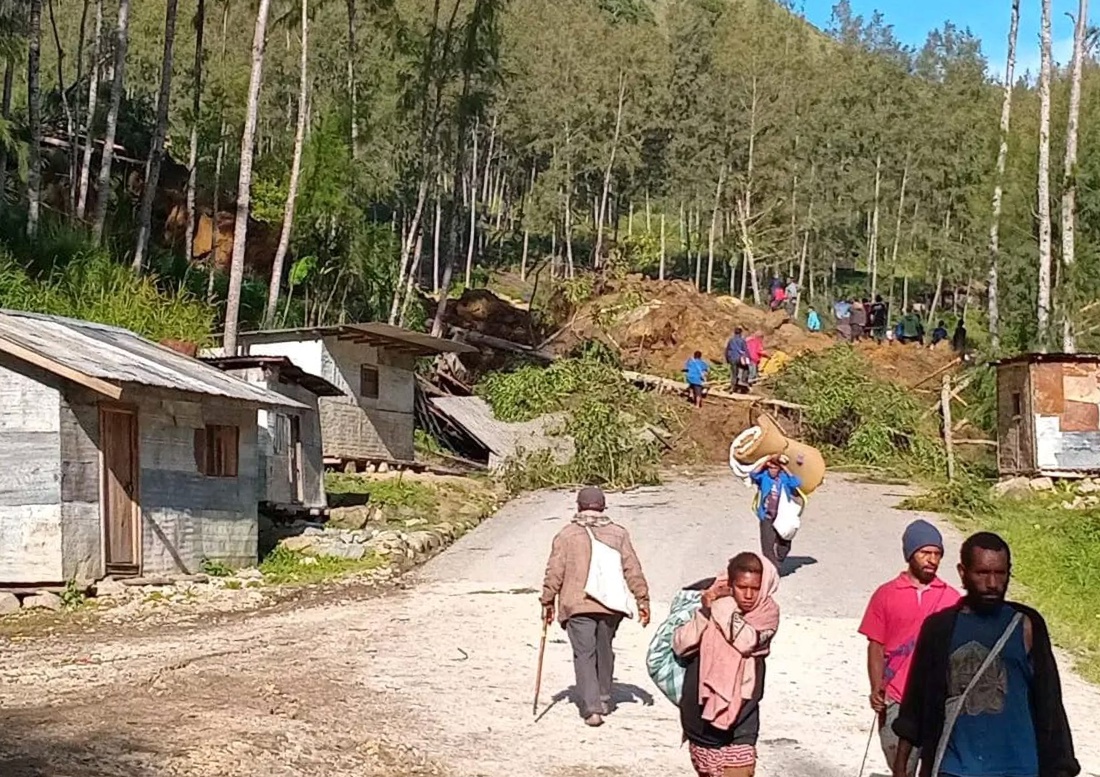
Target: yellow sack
{"x":774,"y":363}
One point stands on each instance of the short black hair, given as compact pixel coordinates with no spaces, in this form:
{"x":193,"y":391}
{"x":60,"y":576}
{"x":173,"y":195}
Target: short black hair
{"x":744,"y":563}
{"x":737,"y":330}
{"x":698,"y":354}
{"x":983,"y":540}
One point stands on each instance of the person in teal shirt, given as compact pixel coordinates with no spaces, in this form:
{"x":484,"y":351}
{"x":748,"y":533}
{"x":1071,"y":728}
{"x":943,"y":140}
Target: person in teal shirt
{"x":813,"y":320}
{"x":696,"y":370}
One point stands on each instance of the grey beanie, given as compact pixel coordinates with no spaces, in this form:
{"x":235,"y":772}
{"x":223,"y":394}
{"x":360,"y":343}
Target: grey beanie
{"x":591,"y":498}
{"x":920,"y":534}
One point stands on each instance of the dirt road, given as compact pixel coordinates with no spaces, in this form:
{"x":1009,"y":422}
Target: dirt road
{"x":437,"y":678}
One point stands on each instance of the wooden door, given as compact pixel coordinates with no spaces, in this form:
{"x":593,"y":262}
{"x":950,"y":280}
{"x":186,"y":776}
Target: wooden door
{"x":297,"y":487}
{"x":121,"y":510}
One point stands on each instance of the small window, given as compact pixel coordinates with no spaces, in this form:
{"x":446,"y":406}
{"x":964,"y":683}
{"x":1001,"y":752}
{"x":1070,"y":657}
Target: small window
{"x":216,"y":451}
{"x":368,"y":382}
{"x":1017,"y":403}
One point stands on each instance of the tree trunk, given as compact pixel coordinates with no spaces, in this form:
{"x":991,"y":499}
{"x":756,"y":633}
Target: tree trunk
{"x":435,"y":244}
{"x":70,"y":125}
{"x":648,"y":227}
{"x":1069,"y":181}
{"x":873,"y":258}
{"x":630,"y":220}
{"x":156,"y":153}
{"x":698,"y":250}
{"x":352,"y":88}
{"x":196,"y":110}
{"x":5,"y":111}
{"x":661,"y":268}
{"x":74,"y":151}
{"x":244,"y":182}
{"x":473,"y":212}
{"x":1043,"y":311}
{"x":601,"y":213}
{"x":103,"y":183}
{"x":714,"y":227}
{"x":295,"y":172}
{"x":216,"y":208}
{"x":487,"y":188}
{"x":568,"y":225}
{"x":89,"y":124}
{"x":897,"y":224}
{"x":998,"y":188}
{"x":34,"y":118}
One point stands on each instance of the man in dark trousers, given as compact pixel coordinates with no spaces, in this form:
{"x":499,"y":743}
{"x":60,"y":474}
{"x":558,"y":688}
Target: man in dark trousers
{"x":994,"y":657}
{"x":892,"y":622}
{"x":737,"y":356}
{"x":591,"y":626}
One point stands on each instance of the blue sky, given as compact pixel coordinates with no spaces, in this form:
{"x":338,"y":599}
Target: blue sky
{"x":988,"y":19}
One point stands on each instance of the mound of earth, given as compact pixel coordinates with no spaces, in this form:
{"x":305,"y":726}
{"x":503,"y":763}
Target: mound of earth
{"x":481,"y":310}
{"x":657,"y":325}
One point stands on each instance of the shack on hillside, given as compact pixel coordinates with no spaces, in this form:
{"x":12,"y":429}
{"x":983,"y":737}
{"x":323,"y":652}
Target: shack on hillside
{"x":121,"y":456}
{"x":1048,"y":414}
{"x":373,"y":366}
{"x":291,"y":460}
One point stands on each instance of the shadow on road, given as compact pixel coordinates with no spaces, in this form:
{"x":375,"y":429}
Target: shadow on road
{"x":792,"y":564}
{"x":621,"y":693}
{"x":31,"y":747}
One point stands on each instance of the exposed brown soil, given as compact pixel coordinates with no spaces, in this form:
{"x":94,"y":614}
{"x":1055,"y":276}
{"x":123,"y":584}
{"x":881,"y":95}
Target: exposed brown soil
{"x":657,"y":325}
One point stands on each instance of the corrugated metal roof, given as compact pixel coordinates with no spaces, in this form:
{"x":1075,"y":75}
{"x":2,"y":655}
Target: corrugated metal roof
{"x":111,"y":355}
{"x":503,"y":438}
{"x":287,"y":370}
{"x":1031,"y":358}
{"x":372,"y":333}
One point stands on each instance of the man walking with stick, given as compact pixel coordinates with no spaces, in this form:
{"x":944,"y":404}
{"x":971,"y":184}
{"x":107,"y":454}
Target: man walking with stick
{"x":892,"y":621}
{"x":591,"y":539}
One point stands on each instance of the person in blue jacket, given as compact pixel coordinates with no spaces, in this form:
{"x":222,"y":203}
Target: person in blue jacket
{"x":773,"y":479}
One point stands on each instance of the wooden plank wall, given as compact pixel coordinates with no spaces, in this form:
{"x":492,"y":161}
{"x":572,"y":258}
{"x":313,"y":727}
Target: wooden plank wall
{"x":187,"y":516}
{"x":30,"y":476}
{"x":81,"y":528}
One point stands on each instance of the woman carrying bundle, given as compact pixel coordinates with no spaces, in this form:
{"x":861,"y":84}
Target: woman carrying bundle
{"x":725,"y":645}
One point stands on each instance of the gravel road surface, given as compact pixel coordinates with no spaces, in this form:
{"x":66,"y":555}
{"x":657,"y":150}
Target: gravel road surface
{"x":437,"y":679}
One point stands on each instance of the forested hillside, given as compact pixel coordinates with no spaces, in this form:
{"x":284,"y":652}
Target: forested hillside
{"x":402,"y":144}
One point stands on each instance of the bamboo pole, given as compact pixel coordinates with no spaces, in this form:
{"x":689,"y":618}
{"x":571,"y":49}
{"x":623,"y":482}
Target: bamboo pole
{"x":948,"y":433}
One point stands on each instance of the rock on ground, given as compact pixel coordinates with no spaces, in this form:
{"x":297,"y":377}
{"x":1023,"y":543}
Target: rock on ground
{"x":43,"y":600}
{"x":9,"y":604}
{"x":447,"y":666}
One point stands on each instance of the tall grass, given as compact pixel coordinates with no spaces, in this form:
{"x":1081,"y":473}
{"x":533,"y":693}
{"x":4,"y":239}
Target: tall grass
{"x":61,"y":274}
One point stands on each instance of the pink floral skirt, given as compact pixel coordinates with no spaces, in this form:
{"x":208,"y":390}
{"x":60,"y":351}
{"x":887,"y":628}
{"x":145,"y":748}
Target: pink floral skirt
{"x":731,"y":761}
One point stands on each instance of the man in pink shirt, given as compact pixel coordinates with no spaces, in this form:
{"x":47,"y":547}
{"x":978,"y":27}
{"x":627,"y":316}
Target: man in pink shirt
{"x":756,"y":353}
{"x":892,"y":622}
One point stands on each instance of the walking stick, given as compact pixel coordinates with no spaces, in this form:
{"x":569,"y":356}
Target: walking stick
{"x":538,"y":672}
{"x":867,"y":750}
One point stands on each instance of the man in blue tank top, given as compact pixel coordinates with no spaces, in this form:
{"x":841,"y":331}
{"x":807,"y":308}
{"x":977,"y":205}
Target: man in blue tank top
{"x":1011,"y":722}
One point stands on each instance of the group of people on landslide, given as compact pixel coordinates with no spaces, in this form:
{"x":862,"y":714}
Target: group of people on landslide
{"x":964,"y":686}
{"x":855,"y":320}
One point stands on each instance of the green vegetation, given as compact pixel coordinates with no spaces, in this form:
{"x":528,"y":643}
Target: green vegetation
{"x":89,"y":285}
{"x":691,"y":125}
{"x":285,"y":567}
{"x":215,"y":568}
{"x":858,"y":418}
{"x":1054,"y":552}
{"x":384,"y":492}
{"x":72,"y":597}
{"x":605,"y":416}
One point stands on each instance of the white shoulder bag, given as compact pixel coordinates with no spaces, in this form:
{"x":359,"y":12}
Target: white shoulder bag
{"x":606,"y":582}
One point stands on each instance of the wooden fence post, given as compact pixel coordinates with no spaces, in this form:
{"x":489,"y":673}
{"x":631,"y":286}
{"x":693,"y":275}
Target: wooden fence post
{"x":948,"y":443}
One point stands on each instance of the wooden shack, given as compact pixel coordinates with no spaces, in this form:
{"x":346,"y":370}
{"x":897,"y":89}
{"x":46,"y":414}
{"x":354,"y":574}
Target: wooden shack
{"x":291,"y":459}
{"x":373,"y":366}
{"x":1048,"y":415}
{"x":120,"y":456}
